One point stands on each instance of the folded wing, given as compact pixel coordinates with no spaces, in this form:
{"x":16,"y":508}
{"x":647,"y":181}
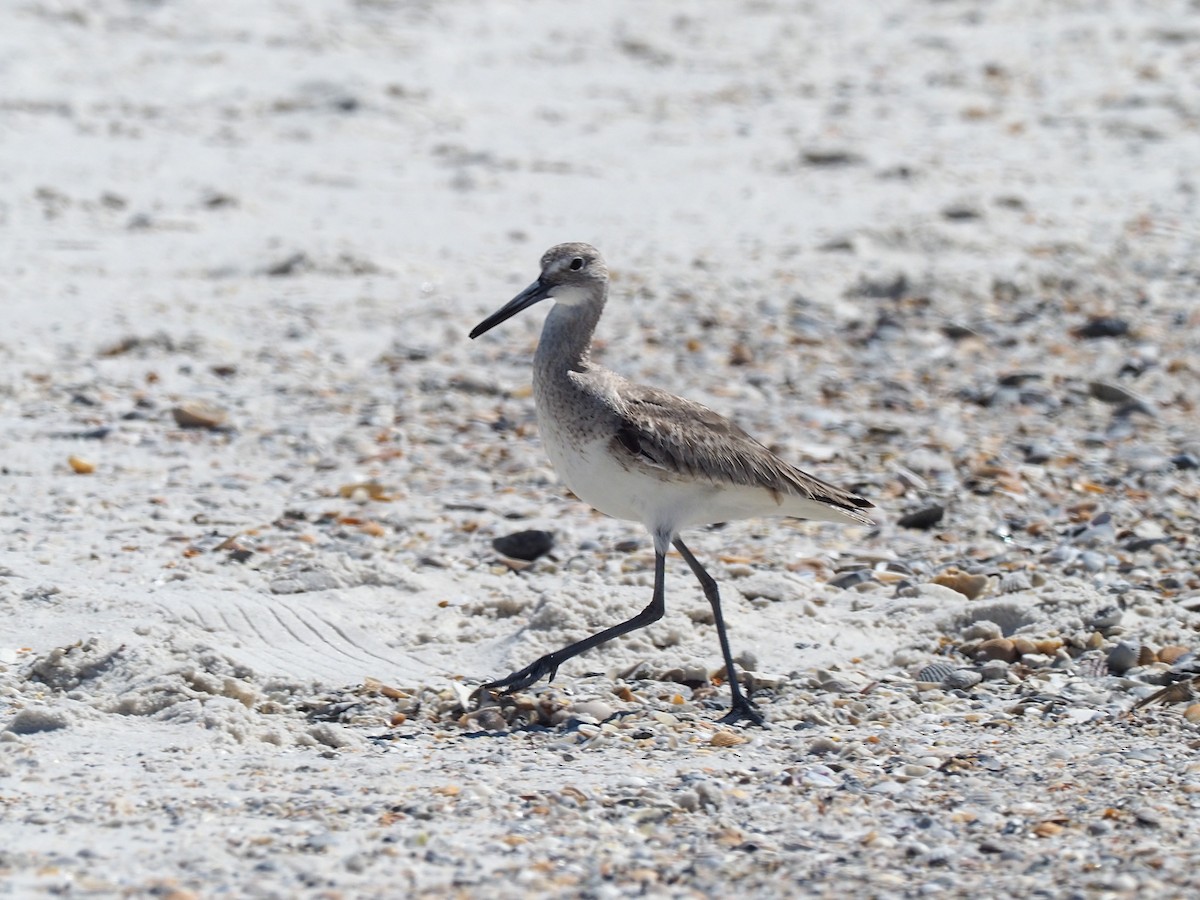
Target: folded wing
{"x":676,"y":438}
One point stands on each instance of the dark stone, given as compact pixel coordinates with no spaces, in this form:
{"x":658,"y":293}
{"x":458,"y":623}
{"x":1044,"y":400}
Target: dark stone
{"x":289,"y":265}
{"x":1185,"y":461}
{"x":830,"y":158}
{"x":881,"y":288}
{"x":1136,"y":545}
{"x":850,"y":579}
{"x":961,"y":213}
{"x":922,"y":518}
{"x":1107,"y":392}
{"x":1036,"y":454}
{"x":957,"y":331}
{"x":1017,"y":379}
{"x":1102,"y":327}
{"x":526,"y":545}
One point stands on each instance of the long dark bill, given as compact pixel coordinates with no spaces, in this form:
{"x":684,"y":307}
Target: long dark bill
{"x":531,"y":295}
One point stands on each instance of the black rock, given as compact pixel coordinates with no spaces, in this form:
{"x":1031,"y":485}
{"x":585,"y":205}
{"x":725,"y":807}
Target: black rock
{"x":526,"y":545}
{"x":961,"y":213}
{"x":926,"y":517}
{"x":1017,"y":379}
{"x":1185,"y":461}
{"x":1102,"y":327}
{"x":830,"y":158}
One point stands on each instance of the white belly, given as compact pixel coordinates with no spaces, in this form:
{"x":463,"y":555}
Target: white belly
{"x":666,"y":506}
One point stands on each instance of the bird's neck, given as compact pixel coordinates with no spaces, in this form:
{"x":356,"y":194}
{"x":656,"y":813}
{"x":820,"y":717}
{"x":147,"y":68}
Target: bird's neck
{"x":566,"y":341}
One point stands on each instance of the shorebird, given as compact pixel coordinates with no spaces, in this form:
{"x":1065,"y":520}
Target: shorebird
{"x":638,"y":453}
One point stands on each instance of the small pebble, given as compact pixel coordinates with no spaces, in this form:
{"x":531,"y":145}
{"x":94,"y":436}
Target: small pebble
{"x":1172,"y":653}
{"x":524,"y":545}
{"x":1123,"y":656}
{"x":970,"y":586}
{"x":1102,"y":327}
{"x":993,"y":670}
{"x":1186,"y":461}
{"x":1111,"y":393}
{"x":923,"y":518}
{"x":997,"y":648}
{"x":81,"y":466}
{"x":1024,"y":645}
{"x":596,"y":709}
{"x":199,"y":414}
{"x":1106,"y":618}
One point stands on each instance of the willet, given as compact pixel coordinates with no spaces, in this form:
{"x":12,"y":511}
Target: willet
{"x":638,"y":453}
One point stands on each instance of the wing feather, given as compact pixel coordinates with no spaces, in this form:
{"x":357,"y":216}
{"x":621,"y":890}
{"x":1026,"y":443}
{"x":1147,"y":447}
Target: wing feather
{"x":676,"y":437}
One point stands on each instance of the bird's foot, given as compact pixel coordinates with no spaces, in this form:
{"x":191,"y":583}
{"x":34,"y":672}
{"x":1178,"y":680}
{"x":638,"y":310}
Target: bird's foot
{"x":743,"y":709}
{"x":545,"y":667}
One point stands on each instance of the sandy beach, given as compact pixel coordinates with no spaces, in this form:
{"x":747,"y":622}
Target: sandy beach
{"x":252,"y":468}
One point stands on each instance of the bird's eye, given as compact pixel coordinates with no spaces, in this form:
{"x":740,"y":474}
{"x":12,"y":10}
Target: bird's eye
{"x":577,"y":264}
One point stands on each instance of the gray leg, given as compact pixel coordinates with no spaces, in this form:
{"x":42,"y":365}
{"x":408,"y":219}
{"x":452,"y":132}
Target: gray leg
{"x":547,"y":666}
{"x":741,"y":708}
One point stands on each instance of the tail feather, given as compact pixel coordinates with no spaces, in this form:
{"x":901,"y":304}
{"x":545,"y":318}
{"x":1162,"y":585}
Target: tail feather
{"x":843,"y":510}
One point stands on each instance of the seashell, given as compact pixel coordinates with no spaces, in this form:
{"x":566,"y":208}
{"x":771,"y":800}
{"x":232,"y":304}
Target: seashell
{"x":1171,"y":653}
{"x":81,"y":466}
{"x":962,"y":679}
{"x":1047,"y":829}
{"x":935,"y":673}
{"x":1024,"y":646}
{"x":996,"y":648}
{"x":596,"y":709}
{"x":970,"y":586}
{"x":393,"y":693}
{"x":465,"y":695}
{"x":726,"y":739}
